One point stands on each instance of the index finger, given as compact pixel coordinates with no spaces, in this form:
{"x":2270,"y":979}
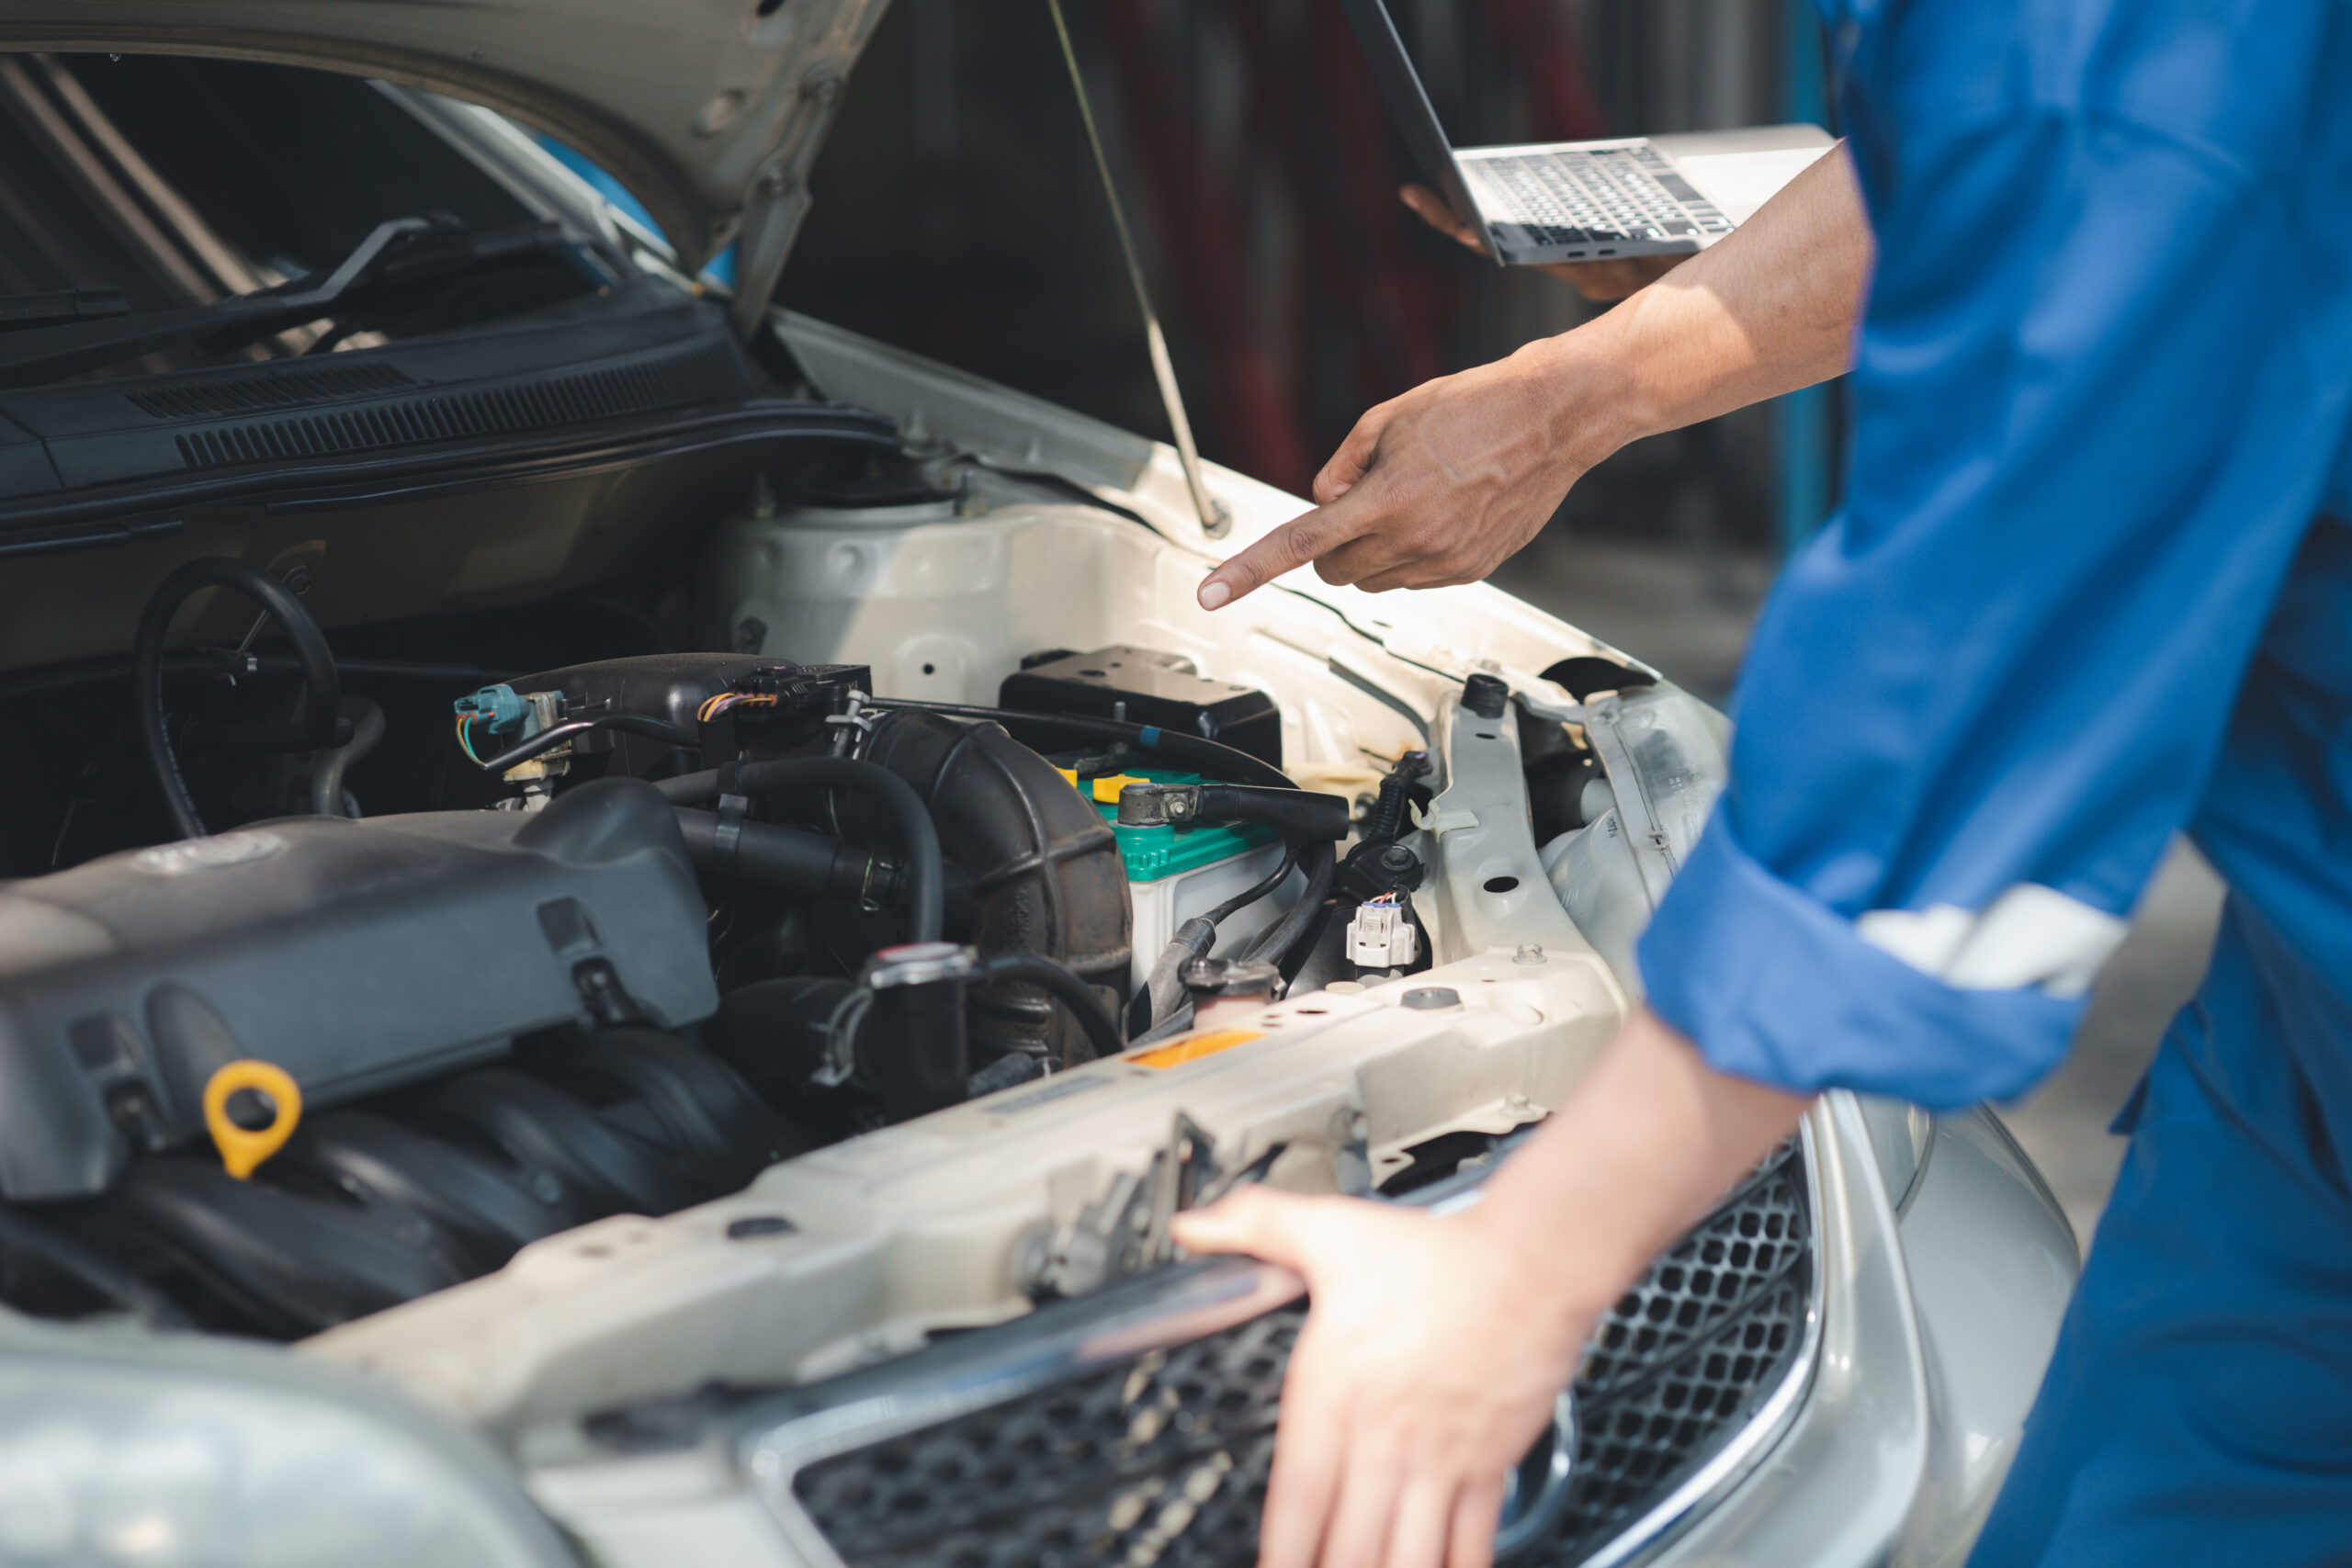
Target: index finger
{"x":1302,"y":539}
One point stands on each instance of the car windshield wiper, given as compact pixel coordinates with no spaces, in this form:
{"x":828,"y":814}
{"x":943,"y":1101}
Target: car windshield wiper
{"x":397,"y":255}
{"x":20,"y":313}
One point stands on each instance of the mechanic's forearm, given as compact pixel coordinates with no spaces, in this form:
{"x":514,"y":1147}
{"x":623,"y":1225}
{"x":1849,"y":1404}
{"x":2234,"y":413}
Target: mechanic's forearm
{"x":1646,"y":1145}
{"x":1771,"y":308}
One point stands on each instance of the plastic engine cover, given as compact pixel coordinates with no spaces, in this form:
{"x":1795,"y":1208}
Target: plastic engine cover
{"x":355,"y":955}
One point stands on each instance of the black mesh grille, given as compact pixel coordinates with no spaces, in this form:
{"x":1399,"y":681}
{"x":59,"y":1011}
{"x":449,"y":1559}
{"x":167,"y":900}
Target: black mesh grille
{"x":1686,"y":1356}
{"x":270,"y":387}
{"x":1163,"y":1459}
{"x":707,"y":371}
{"x":1175,"y":1443}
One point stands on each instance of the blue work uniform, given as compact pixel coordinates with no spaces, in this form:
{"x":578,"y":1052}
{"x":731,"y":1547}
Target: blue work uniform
{"x":2091,"y":586}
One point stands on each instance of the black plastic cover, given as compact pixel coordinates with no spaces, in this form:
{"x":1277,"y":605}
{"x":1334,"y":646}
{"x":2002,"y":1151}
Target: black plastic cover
{"x":1142,"y":685}
{"x":566,"y":367}
{"x":355,"y":955}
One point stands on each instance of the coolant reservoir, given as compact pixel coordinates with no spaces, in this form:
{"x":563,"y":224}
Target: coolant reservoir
{"x":874,"y":572}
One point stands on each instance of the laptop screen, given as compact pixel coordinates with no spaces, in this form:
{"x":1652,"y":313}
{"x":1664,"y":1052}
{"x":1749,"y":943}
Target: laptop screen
{"x":1408,"y":105}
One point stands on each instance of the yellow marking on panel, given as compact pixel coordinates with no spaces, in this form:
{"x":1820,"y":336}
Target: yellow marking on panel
{"x":1176,"y":1052}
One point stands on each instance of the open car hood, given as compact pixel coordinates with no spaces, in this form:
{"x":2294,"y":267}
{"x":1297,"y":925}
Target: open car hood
{"x":710,"y":111}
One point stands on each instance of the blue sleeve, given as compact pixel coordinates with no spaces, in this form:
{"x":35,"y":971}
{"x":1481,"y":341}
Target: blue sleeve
{"x":2090,"y":430}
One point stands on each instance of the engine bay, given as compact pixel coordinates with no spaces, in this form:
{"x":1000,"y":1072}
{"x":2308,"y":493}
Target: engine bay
{"x":868,"y":962}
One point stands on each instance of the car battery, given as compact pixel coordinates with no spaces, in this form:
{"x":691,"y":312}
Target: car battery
{"x":1175,"y":873}
{"x":1142,"y":686}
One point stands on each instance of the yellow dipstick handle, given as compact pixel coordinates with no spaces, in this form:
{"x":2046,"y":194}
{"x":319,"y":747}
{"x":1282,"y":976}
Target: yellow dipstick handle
{"x":243,"y":1151}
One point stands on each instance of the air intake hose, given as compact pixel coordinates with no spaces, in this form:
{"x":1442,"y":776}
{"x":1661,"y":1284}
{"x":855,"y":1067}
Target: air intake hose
{"x":1044,"y":868}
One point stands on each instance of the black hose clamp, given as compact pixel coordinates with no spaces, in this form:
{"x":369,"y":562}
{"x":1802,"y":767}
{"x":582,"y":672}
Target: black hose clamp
{"x":726,"y":834}
{"x":877,"y":885}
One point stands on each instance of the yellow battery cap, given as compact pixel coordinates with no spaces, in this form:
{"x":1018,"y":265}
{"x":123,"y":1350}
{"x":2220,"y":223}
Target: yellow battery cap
{"x":242,"y":1152}
{"x":1107,"y":789}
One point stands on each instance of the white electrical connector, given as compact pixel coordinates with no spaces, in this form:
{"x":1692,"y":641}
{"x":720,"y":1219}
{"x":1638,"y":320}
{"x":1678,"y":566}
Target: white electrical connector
{"x":1380,"y":937}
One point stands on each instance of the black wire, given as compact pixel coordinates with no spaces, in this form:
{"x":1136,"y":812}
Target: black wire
{"x":1211,"y":759}
{"x":555,"y":735}
{"x":1066,"y":986}
{"x":1243,"y":899}
{"x":1286,"y":932}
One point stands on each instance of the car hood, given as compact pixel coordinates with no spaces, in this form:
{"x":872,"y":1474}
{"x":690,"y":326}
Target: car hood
{"x":709,"y":111}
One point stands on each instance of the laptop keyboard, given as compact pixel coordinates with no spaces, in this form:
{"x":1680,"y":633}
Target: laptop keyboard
{"x":1608,"y":194}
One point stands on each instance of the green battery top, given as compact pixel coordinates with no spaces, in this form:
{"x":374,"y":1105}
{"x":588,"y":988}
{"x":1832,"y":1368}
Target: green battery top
{"x":1154,"y":854}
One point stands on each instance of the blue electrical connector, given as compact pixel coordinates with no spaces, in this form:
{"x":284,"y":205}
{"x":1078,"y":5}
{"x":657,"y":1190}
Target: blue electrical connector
{"x":498,"y":706}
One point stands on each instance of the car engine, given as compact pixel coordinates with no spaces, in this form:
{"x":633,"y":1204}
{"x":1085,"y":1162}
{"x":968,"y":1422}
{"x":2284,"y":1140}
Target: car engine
{"x":677,"y":916}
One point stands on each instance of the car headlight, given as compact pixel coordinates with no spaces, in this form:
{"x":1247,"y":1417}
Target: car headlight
{"x":1662,"y":766}
{"x":132,"y":1452}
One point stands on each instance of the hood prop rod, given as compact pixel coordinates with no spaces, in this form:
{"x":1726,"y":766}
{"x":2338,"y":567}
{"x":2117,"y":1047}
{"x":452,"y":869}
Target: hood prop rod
{"x":1216,"y":519}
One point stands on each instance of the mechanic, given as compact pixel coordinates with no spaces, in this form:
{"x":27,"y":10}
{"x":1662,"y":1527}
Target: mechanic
{"x":2091,"y":584}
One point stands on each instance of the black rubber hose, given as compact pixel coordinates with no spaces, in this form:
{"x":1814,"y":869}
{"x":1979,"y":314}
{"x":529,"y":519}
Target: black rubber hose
{"x":1299,"y":815}
{"x":791,"y":858}
{"x":20,"y":1233}
{"x":926,"y":872}
{"x":1210,"y":759}
{"x":323,"y":691}
{"x":1085,"y":1006}
{"x":555,"y":735}
{"x":1285,"y":932}
{"x":326,"y":778}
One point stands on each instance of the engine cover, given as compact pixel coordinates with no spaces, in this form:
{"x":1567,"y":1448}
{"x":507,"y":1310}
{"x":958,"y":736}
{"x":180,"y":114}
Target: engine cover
{"x":355,"y":955}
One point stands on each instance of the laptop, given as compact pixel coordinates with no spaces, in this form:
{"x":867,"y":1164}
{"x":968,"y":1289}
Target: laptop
{"x":1564,"y":202}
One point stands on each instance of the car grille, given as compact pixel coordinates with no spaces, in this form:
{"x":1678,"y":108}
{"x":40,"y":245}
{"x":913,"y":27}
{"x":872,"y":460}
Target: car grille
{"x":1162,"y":1461}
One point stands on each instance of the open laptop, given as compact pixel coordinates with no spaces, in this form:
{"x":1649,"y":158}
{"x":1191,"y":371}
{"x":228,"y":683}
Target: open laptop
{"x":1564,"y":201}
